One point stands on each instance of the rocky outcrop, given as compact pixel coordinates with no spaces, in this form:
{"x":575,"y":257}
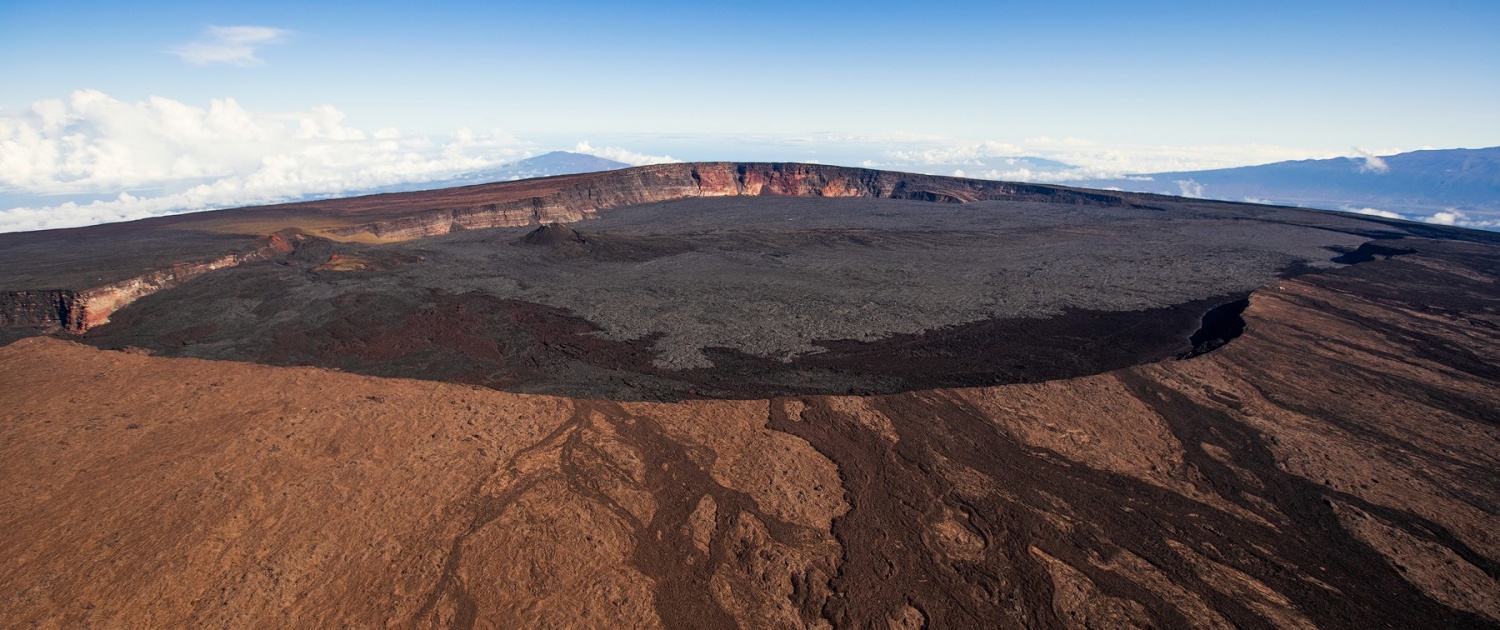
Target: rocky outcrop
{"x":76,"y":311}
{"x":41,"y":308}
{"x":552,"y":234}
{"x":585,"y":198}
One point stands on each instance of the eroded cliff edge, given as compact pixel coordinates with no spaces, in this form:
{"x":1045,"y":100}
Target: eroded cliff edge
{"x":584,"y":198}
{"x":406,"y":216}
{"x":77,"y":310}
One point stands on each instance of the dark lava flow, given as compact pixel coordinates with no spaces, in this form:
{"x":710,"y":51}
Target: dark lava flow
{"x":515,"y":345}
{"x":1221,"y":324}
{"x":522,"y":346}
{"x":756,"y":297}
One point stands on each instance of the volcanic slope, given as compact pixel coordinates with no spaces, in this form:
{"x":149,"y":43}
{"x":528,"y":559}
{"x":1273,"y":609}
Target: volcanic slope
{"x":1332,"y":467}
{"x":1074,"y":409}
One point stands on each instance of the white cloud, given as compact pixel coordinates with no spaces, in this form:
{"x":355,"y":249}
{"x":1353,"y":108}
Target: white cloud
{"x":965,"y":154}
{"x":1372,"y":163}
{"x":1460,"y":219}
{"x":229,"y":45}
{"x":621,"y":155}
{"x":172,"y":157}
{"x":1451,"y":217}
{"x":1190,"y":188}
{"x":1375,"y":212}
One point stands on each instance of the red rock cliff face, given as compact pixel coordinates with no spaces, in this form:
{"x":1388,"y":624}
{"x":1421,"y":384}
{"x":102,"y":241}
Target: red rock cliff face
{"x":649,"y":184}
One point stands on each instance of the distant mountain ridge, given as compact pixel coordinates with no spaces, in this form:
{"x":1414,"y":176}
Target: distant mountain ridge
{"x":1418,"y":184}
{"x":544,"y":165}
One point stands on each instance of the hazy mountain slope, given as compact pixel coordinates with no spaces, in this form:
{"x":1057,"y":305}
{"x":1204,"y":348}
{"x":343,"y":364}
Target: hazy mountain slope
{"x":544,"y":165}
{"x":1416,"y":183}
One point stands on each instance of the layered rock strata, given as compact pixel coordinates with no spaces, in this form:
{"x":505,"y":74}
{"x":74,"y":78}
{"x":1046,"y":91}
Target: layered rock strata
{"x":585,"y":197}
{"x":76,"y":311}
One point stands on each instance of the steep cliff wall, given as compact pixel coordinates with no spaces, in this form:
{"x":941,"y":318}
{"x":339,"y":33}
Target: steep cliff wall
{"x":57,"y":307}
{"x":649,"y":184}
{"x":79,"y":310}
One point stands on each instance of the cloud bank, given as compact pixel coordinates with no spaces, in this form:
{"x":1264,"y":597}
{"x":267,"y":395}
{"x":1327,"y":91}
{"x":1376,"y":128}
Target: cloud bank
{"x":1082,"y":159}
{"x":170,"y":157}
{"x":229,"y":45}
{"x":1375,"y":212}
{"x":1454,"y":217}
{"x":91,"y":158}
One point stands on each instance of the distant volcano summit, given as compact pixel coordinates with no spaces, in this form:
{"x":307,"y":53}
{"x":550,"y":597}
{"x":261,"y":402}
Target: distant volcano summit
{"x":544,"y":165}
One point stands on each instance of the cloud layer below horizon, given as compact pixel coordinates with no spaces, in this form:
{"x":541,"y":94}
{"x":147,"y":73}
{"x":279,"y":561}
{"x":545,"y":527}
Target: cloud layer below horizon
{"x":162,"y":156}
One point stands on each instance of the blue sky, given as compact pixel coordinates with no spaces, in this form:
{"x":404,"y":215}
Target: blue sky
{"x":1191,"y":83}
